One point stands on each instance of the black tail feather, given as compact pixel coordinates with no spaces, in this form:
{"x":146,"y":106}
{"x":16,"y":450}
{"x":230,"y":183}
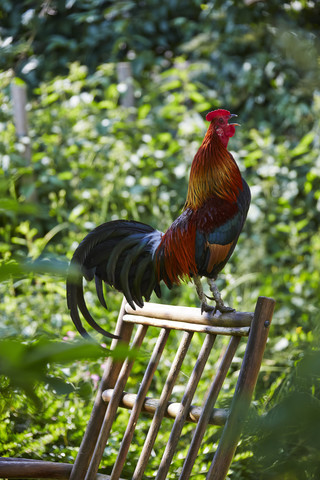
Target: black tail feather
{"x":121,"y":254}
{"x":99,"y":290}
{"x":86,"y":314}
{"x":76,"y":303}
{"x":138,"y":277}
{"x":157,"y":290}
{"x":72,"y":298}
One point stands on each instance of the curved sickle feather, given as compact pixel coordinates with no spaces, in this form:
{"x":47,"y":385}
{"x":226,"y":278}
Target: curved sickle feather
{"x":149,"y":291}
{"x":139,"y":274}
{"x":74,"y":313}
{"x":99,"y":290}
{"x":115,"y":254}
{"x":85,"y":312}
{"x":125,"y":272}
{"x":124,"y":279}
{"x":76,"y":302}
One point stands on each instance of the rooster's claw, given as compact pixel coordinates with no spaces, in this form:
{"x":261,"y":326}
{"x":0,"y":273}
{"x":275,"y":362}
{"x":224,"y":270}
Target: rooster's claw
{"x":225,"y":309}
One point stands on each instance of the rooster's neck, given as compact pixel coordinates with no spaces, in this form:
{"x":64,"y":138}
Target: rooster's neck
{"x":213,"y":172}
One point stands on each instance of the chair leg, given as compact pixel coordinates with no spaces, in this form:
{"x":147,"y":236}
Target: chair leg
{"x":113,"y":406}
{"x":109,"y":378}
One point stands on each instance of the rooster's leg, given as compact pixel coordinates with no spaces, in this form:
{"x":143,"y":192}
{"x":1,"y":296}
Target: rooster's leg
{"x":217,"y":297}
{"x":204,"y":305}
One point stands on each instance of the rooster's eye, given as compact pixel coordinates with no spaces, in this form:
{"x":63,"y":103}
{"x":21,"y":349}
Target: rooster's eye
{"x":221,"y":121}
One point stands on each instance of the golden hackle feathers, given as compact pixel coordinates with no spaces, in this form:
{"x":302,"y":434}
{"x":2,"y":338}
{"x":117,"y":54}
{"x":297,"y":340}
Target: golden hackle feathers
{"x":213,"y":172}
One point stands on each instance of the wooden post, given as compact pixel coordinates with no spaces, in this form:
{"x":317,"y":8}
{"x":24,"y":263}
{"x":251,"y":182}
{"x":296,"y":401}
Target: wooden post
{"x":126,"y":80}
{"x":19,"y":102}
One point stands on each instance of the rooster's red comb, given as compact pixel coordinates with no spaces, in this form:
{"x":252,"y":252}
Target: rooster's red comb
{"x":217,"y":113}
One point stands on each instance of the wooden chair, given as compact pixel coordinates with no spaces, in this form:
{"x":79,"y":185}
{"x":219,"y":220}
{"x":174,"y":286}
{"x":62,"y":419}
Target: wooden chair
{"x":179,"y":324}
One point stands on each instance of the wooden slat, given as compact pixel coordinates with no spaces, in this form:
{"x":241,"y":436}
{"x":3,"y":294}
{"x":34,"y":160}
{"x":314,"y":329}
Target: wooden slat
{"x":27,"y":468}
{"x":188,"y":327}
{"x":244,"y":389}
{"x":144,"y":387}
{"x":218,"y":416}
{"x":185,"y":405}
{"x":113,"y":405}
{"x":109,"y":378}
{"x":161,"y":406}
{"x":192,"y":315}
{"x":208,"y":408}
{"x":23,"y":468}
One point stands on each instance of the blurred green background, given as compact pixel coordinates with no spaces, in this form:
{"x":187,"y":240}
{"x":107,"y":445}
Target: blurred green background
{"x":100,"y":146}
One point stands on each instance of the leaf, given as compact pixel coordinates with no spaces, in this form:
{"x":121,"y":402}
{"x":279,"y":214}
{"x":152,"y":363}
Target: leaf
{"x":9,"y":205}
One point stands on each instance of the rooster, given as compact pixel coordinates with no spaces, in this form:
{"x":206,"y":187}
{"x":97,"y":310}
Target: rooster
{"x":134,"y":257}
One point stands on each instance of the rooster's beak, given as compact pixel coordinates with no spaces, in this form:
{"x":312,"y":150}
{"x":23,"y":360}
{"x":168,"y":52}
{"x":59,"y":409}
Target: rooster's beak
{"x":235,"y":124}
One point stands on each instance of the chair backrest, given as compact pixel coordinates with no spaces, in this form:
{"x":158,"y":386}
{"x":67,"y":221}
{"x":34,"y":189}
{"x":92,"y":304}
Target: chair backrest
{"x":188,"y":370}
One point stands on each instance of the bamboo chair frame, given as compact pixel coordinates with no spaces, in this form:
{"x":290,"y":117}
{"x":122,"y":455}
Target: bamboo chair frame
{"x":111,"y":394}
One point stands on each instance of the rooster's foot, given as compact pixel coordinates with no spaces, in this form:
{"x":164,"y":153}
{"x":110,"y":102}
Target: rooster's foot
{"x":224,"y":309}
{"x":217,"y":298}
{"x":205,"y":307}
{"x":213,"y":309}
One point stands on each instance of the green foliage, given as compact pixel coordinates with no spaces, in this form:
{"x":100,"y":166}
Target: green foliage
{"x":42,"y":39}
{"x":27,"y":364}
{"x":93,"y":160}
